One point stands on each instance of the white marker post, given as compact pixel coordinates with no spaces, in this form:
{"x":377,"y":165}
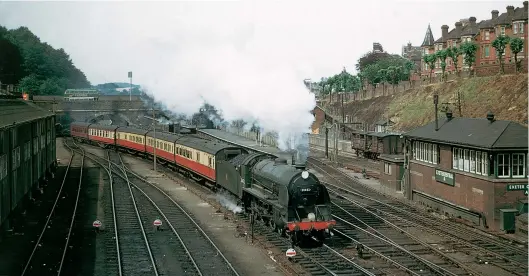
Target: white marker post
{"x":157,"y":223}
{"x":97,"y":225}
{"x":291,"y":253}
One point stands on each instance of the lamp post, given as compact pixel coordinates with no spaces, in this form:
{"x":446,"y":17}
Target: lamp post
{"x":130,"y":90}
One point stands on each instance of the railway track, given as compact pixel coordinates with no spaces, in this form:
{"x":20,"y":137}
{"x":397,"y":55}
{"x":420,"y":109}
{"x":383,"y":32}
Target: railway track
{"x":180,"y":248}
{"x":135,"y":255}
{"x":509,"y":257}
{"x":52,"y":245}
{"x":316,"y":260}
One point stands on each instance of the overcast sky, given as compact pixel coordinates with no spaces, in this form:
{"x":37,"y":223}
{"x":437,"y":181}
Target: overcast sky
{"x":233,"y":54}
{"x":317,"y":37}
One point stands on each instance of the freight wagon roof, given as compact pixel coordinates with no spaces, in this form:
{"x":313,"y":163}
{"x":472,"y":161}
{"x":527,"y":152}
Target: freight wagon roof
{"x":103,"y":127}
{"x":133,"y":130}
{"x":20,"y":111}
{"x":280,"y":173}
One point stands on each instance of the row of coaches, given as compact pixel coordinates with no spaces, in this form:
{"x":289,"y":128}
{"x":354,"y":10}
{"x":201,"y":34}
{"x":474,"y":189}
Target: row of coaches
{"x":289,"y":199}
{"x":27,"y":152}
{"x":194,"y":155}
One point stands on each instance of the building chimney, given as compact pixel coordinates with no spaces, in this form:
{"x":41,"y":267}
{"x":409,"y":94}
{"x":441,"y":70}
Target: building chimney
{"x":449,"y":115}
{"x":494,"y":14}
{"x":435,"y":102}
{"x":444,"y":32}
{"x":490,"y":117}
{"x":510,"y":11}
{"x":459,"y":26}
{"x":472,"y":20}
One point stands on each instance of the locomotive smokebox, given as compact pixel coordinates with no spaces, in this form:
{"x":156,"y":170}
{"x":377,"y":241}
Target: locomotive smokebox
{"x":300,"y":167}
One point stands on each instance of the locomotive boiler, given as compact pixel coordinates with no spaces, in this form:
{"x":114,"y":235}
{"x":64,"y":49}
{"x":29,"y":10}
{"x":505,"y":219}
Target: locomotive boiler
{"x":289,"y":199}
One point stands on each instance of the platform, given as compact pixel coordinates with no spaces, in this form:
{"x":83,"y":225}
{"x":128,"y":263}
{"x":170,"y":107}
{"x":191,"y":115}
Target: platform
{"x":246,"y":143}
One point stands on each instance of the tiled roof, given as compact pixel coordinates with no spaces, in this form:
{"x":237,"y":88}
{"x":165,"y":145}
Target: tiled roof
{"x":19,"y":111}
{"x":475,"y":132}
{"x":520,"y":14}
{"x":428,"y":38}
{"x":470,"y":29}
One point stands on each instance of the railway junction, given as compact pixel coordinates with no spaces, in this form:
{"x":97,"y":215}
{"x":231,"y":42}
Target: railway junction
{"x":108,"y":213}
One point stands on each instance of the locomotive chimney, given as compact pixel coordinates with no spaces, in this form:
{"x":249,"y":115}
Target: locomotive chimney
{"x":435,"y":102}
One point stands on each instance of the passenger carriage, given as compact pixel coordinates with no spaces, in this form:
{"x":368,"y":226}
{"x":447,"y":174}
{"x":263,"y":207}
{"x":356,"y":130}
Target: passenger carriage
{"x":131,"y":139}
{"x":79,"y":130}
{"x":102,"y":135}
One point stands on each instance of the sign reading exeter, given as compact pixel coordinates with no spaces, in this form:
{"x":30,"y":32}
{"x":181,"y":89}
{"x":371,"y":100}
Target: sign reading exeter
{"x":518,"y":187}
{"x":445,"y":177}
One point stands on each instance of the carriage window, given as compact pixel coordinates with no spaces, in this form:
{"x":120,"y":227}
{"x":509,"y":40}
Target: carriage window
{"x":198,"y":156}
{"x":209,"y":162}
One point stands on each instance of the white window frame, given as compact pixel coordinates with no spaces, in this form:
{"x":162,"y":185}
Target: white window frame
{"x":505,"y":166}
{"x":516,"y":156}
{"x":487,"y":35}
{"x":387,"y":168}
{"x":502,"y":30}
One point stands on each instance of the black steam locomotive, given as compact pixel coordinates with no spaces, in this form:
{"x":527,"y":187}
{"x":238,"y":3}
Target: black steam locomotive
{"x":289,"y":199}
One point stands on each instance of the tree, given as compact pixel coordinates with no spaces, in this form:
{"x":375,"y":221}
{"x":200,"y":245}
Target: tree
{"x":454,"y":53}
{"x":469,"y":50}
{"x":394,"y":75}
{"x":370,"y":58}
{"x":372,"y":76}
{"x":516,"y":45}
{"x":442,"y":55}
{"x":40,"y":69}
{"x":500,"y":43}
{"x":383,"y":76}
{"x":430,"y":60}
{"x":11,"y":70}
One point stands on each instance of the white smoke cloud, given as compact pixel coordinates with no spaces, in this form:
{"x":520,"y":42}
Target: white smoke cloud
{"x":228,"y":201}
{"x":227,"y":64}
{"x":247,"y":58}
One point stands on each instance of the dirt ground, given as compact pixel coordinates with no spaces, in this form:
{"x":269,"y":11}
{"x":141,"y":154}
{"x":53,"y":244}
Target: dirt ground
{"x":505,"y":96}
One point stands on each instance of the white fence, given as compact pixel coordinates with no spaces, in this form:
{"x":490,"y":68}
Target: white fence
{"x":317,"y":140}
{"x":267,"y":138}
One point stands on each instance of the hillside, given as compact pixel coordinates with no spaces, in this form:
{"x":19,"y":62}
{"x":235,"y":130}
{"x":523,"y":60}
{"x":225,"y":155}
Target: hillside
{"x":505,"y":96}
{"x":35,"y":66}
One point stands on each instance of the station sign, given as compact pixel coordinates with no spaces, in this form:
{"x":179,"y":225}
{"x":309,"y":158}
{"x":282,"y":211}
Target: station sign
{"x":445,"y":177}
{"x":518,"y":187}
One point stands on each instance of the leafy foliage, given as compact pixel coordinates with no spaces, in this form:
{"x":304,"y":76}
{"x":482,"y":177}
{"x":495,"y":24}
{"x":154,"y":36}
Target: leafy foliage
{"x":442,"y":55}
{"x":516,"y":45}
{"x":469,"y":50}
{"x":500,"y":44}
{"x":454,"y":53}
{"x":37,"y":67}
{"x":370,"y":58}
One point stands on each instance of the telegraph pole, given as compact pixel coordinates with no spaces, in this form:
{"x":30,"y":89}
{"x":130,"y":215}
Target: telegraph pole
{"x":154,"y":134}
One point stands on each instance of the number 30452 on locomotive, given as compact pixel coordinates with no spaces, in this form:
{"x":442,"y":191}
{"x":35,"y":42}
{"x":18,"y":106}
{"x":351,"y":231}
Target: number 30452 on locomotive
{"x":289,"y":199}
